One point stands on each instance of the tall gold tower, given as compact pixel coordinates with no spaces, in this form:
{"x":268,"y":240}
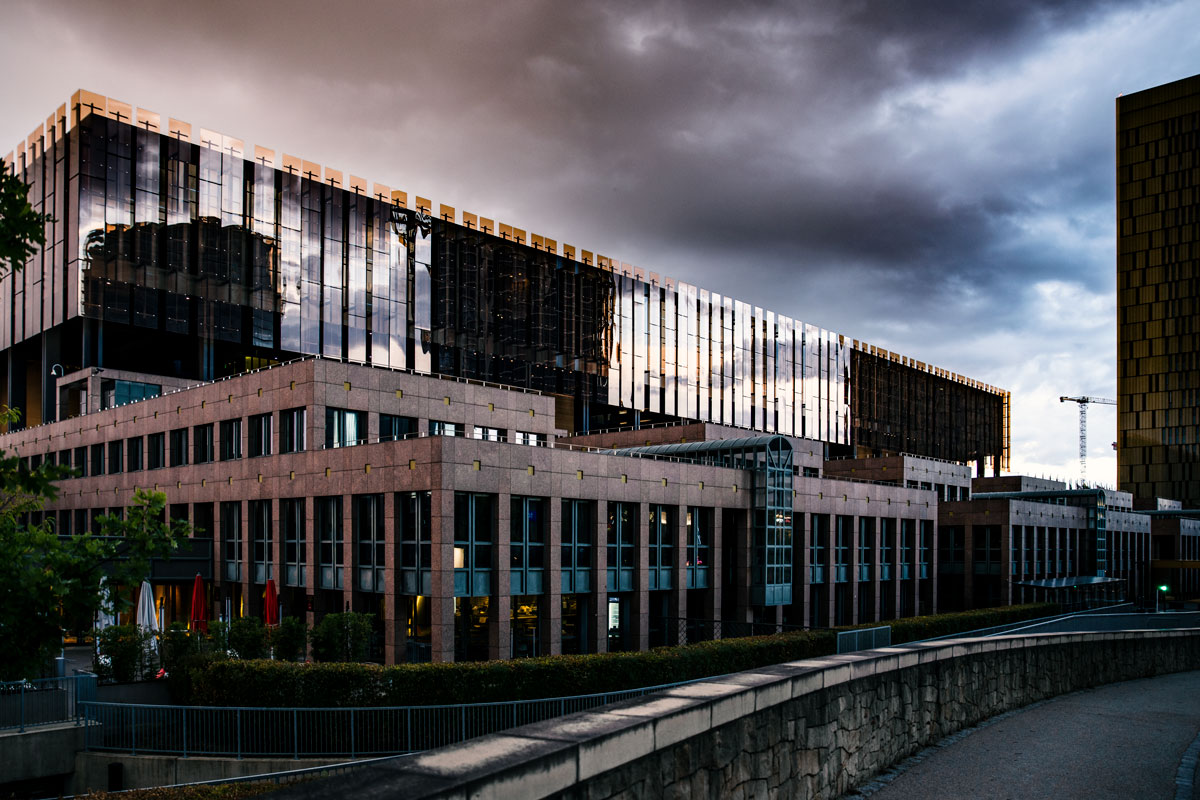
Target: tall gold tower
{"x":1158,"y":278}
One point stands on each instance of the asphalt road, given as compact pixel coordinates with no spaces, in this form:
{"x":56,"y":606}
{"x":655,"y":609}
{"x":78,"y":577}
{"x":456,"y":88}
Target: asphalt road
{"x":1125,"y":740}
{"x":1113,"y":622}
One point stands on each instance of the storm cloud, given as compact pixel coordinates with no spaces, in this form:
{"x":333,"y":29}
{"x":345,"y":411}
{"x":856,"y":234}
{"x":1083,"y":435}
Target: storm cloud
{"x":932,"y":177}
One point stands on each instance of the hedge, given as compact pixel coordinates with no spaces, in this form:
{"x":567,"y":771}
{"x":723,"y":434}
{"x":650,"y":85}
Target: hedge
{"x":286,"y":684}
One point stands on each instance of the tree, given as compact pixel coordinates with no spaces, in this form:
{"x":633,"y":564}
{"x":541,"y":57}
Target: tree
{"x":22,"y":230}
{"x":50,"y":583}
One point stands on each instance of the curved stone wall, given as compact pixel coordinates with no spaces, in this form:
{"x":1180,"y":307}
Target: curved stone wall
{"x":814,"y":728}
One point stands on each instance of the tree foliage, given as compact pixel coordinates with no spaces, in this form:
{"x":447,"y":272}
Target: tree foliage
{"x":22,"y":230}
{"x":50,"y":583}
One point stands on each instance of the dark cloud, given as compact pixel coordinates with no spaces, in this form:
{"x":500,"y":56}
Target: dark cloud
{"x":903,"y":172}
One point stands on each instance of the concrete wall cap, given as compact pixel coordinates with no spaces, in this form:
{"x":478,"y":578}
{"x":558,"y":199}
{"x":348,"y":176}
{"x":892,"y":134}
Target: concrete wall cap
{"x":706,"y":689}
{"x":657,"y":707}
{"x":772,"y":694}
{"x":835,"y":675}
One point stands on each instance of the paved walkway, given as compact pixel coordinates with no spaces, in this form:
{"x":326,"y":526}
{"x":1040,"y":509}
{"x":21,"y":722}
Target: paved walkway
{"x":1126,"y":740}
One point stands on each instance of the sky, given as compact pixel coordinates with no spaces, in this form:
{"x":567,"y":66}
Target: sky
{"x":935,"y":178}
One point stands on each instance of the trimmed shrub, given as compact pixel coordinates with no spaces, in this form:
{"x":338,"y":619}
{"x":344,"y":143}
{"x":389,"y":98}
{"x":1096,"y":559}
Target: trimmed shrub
{"x":177,"y":645}
{"x":289,"y":639}
{"x":342,"y":637}
{"x":126,"y":653}
{"x":248,"y":638}
{"x":283,"y":683}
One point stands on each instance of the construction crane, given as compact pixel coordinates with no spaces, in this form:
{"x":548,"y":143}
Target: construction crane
{"x":1083,"y":404}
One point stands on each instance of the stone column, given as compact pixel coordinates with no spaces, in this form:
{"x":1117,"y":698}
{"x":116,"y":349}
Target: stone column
{"x":395,"y":624}
{"x":677,"y":606}
{"x":640,"y":607}
{"x":599,"y":632}
{"x":441,"y":600}
{"x":713,"y":599}
{"x":348,"y":572}
{"x":550,"y":617}
{"x":741,"y":578}
{"x":500,"y":606}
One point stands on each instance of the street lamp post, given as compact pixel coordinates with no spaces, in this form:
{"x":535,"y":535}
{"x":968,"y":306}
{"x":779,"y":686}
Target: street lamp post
{"x":1158,"y":590}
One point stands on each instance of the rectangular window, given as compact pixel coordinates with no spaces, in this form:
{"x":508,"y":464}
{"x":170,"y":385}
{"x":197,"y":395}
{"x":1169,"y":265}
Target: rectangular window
{"x":485,"y":433}
{"x":344,"y":428}
{"x":328,"y":524}
{"x":114,"y":393}
{"x":262,"y":542}
{"x":231,"y":439}
{"x":133,"y":454}
{"x":908,"y":535}
{"x":156,"y":451}
{"x":179,"y":447}
{"x":622,"y":546}
{"x":291,"y":430}
{"x":578,"y":530}
{"x":817,"y":547}
{"x":439,"y":428}
{"x":393,"y":428}
{"x":699,"y":547}
{"x":260,"y":435}
{"x":231,"y":538}
{"x":370,"y":550}
{"x":530,"y":439}
{"x":527,"y":533}
{"x":842,"y":548}
{"x":81,"y":461}
{"x":202,"y":520}
{"x":866,"y":548}
{"x":291,"y":524}
{"x":97,"y":459}
{"x":202,"y":444}
{"x":413,"y":516}
{"x":474,"y":537}
{"x":662,"y":549}
{"x":887,"y":547}
{"x":116,"y":452}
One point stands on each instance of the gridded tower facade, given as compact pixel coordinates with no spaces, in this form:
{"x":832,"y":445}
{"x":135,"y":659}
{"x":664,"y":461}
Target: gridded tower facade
{"x":1158,"y":279}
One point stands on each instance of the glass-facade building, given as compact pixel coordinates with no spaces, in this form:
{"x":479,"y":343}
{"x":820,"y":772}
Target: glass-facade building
{"x":181,"y":252}
{"x":1158,"y":292}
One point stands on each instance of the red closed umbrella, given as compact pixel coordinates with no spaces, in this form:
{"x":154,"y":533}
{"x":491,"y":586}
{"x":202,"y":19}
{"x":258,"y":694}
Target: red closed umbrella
{"x":199,"y":620}
{"x":270,"y":604}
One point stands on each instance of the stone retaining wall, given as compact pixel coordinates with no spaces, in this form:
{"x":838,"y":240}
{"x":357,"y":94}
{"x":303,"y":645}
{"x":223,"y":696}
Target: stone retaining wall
{"x":814,"y":728}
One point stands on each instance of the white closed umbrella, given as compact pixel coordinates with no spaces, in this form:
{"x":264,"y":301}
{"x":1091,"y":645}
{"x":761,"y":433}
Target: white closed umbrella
{"x":147,"y":616}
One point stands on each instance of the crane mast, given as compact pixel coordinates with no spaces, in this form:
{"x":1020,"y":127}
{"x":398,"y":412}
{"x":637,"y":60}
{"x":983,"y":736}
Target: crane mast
{"x":1083,"y":404}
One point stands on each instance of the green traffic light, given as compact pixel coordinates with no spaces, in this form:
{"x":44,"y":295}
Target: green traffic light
{"x":1163,"y":588}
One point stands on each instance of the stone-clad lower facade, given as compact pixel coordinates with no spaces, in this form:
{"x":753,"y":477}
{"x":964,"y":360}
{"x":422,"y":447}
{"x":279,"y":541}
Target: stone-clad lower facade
{"x":464,"y":517}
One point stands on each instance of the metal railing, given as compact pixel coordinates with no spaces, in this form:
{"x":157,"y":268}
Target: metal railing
{"x":864,"y":639}
{"x":317,"y":732}
{"x":44,"y":701}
